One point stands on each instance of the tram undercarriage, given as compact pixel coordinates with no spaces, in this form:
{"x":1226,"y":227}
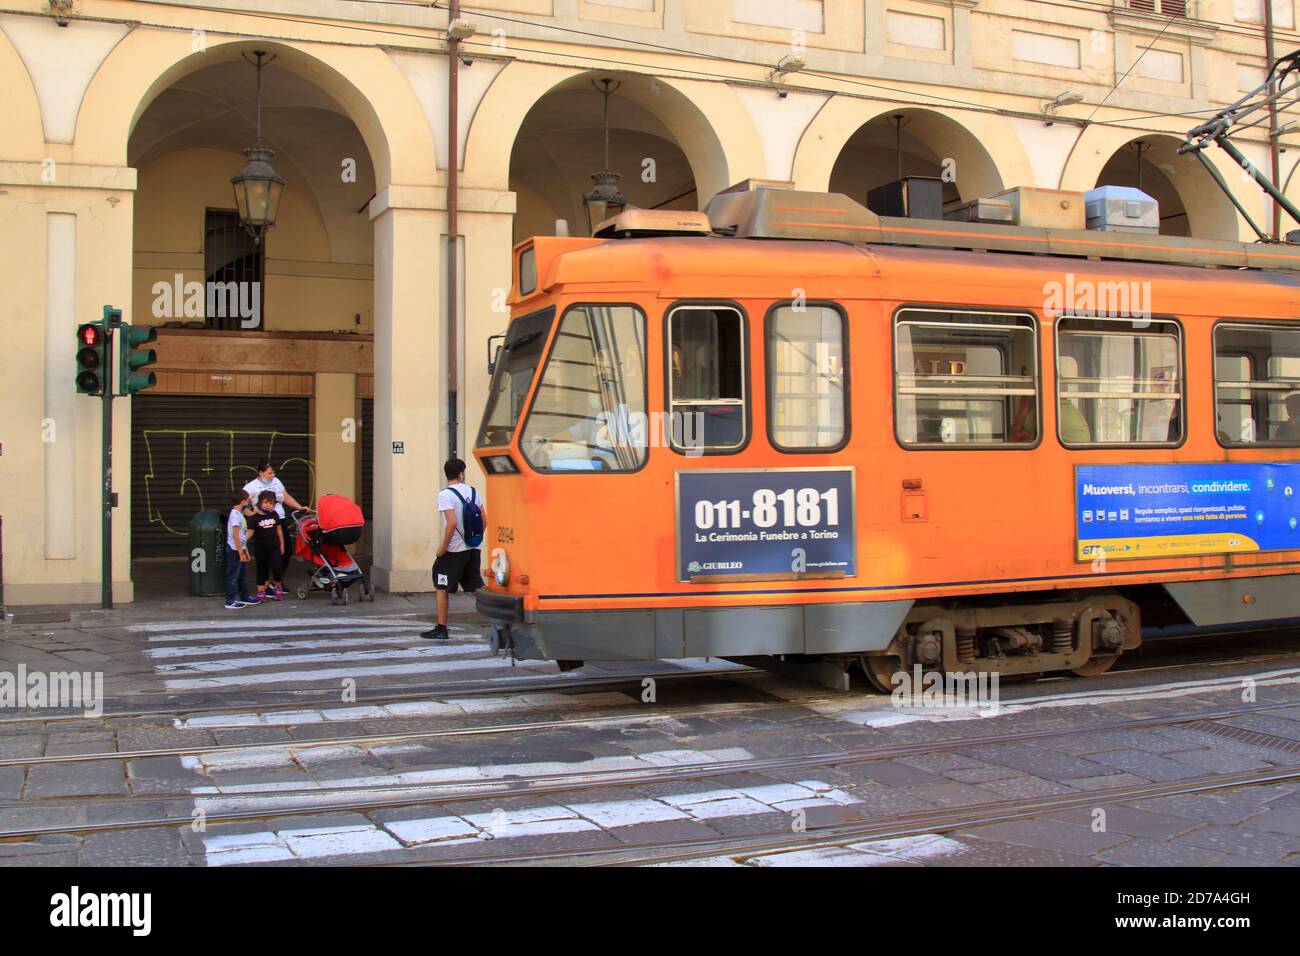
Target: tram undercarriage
{"x":1084,"y":637}
{"x":1084,"y":634}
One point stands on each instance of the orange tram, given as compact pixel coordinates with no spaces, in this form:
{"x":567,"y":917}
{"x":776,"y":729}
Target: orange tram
{"x":788,"y":429}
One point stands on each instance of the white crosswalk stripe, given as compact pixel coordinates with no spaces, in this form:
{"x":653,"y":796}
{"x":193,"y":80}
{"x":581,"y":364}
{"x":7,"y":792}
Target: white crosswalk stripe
{"x":443,"y":828}
{"x":251,"y":653}
{"x":165,"y":627}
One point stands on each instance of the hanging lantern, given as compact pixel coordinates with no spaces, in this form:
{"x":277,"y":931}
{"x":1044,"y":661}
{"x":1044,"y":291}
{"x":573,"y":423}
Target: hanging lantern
{"x":258,"y":186}
{"x":605,"y":200}
{"x":257,"y":192}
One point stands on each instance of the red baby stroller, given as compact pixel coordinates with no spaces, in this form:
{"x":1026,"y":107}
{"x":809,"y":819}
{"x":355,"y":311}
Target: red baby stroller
{"x":322,"y":537}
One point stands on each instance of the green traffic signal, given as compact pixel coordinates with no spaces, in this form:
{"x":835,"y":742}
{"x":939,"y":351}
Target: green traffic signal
{"x":129,"y":360}
{"x":90,"y":358}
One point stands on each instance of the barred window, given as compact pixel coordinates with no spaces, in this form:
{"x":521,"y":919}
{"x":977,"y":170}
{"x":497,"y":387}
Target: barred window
{"x":1117,"y":383}
{"x":706,"y":379}
{"x":1257,"y":385}
{"x":806,"y":378}
{"x":966,"y":378}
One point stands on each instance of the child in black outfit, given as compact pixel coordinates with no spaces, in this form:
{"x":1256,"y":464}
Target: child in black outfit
{"x":267,"y":546}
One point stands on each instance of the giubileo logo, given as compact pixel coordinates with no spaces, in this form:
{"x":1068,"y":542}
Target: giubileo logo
{"x":75,"y":909}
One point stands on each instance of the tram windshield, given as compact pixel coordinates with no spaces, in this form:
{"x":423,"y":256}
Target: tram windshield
{"x":590,"y":410}
{"x":520,"y":355}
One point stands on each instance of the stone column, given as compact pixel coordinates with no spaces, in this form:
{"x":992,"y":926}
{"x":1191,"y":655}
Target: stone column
{"x":409,"y":393}
{"x":67,"y":254}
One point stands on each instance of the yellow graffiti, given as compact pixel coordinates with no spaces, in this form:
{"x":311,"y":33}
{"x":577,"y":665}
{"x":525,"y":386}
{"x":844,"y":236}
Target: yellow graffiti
{"x":235,"y":471}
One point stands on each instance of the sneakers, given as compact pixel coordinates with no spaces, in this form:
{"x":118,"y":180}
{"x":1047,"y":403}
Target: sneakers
{"x":251,"y":601}
{"x":279,"y":593}
{"x":235,"y":605}
{"x":439,"y":633}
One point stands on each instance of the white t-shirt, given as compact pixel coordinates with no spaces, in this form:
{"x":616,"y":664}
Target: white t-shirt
{"x":235,"y":525}
{"x":448,"y":501}
{"x":257,"y":486}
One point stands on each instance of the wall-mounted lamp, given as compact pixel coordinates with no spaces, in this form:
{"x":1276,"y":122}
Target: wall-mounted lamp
{"x":60,"y":9}
{"x":1281,"y":131}
{"x":790,"y":63}
{"x":461,"y":29}
{"x":1068,"y":98}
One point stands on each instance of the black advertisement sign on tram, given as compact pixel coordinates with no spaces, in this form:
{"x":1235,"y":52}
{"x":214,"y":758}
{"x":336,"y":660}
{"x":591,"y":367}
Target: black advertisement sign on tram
{"x":780,"y":524}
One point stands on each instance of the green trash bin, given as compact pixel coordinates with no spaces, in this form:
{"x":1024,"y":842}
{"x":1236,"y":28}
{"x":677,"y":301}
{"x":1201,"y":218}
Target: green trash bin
{"x":207,"y":553}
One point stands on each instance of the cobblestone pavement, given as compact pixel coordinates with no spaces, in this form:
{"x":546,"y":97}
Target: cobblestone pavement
{"x":273,"y":687}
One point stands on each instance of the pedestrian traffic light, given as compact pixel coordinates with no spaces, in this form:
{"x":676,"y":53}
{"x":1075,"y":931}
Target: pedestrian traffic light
{"x":131,"y":357}
{"x":90,"y":358}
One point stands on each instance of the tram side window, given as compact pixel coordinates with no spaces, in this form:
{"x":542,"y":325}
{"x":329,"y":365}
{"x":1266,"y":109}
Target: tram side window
{"x":806,"y":378}
{"x":589,"y":413}
{"x":706,"y":380}
{"x":1118,"y":384}
{"x":1257,"y":385}
{"x":966,"y":378}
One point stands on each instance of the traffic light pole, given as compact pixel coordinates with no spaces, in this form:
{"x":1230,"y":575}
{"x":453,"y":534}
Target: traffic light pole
{"x":106,"y":587}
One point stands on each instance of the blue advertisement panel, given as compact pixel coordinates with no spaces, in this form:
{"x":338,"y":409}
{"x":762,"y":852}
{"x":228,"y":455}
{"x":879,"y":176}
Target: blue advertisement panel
{"x":1154,"y":511}
{"x":778,"y":524}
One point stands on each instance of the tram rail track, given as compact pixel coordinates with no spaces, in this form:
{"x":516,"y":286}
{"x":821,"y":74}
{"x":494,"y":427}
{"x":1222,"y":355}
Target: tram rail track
{"x":521,"y":726}
{"x":450,"y":690}
{"x":710,"y":710}
{"x":894,"y":827}
{"x":446,"y":792}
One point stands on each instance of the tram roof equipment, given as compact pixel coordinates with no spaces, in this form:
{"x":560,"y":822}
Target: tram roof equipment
{"x":764,"y":212}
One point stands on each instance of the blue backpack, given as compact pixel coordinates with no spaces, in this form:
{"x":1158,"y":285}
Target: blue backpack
{"x":471,"y":519}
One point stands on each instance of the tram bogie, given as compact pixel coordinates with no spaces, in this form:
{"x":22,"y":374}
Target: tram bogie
{"x":1084,"y":636}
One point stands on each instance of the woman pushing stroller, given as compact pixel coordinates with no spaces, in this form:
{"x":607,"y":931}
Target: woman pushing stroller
{"x":265,"y":481}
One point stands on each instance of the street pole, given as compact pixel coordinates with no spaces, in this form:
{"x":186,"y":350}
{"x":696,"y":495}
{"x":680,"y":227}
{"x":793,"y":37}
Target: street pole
{"x":106,"y":404}
{"x":1274,"y":146}
{"x":453,"y":229}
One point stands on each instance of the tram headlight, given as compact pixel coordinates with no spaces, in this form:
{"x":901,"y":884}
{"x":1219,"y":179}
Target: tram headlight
{"x":500,"y":566}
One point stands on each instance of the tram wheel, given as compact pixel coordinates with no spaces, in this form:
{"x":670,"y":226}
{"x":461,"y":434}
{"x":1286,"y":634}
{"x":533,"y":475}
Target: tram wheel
{"x":1096,"y":666}
{"x":880,"y":671}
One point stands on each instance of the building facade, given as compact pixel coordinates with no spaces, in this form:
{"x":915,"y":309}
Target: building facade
{"x":125,"y":120}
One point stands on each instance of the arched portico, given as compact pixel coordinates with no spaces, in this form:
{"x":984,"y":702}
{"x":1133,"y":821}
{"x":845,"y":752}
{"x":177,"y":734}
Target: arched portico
{"x":706,"y":121}
{"x":985,"y":155}
{"x":1191,"y":203}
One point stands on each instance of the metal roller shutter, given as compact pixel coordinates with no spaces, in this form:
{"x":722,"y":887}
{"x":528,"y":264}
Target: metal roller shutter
{"x":367,"y":458}
{"x":188,"y":452}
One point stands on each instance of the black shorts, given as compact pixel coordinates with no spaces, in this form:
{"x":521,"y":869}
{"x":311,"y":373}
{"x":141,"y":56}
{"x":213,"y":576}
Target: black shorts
{"x":458,"y":569}
{"x":270,"y":563}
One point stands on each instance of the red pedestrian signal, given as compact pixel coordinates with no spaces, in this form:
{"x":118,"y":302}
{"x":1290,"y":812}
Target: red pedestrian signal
{"x":90,"y":371}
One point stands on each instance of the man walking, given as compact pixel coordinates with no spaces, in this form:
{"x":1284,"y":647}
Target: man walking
{"x":459,"y":562}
